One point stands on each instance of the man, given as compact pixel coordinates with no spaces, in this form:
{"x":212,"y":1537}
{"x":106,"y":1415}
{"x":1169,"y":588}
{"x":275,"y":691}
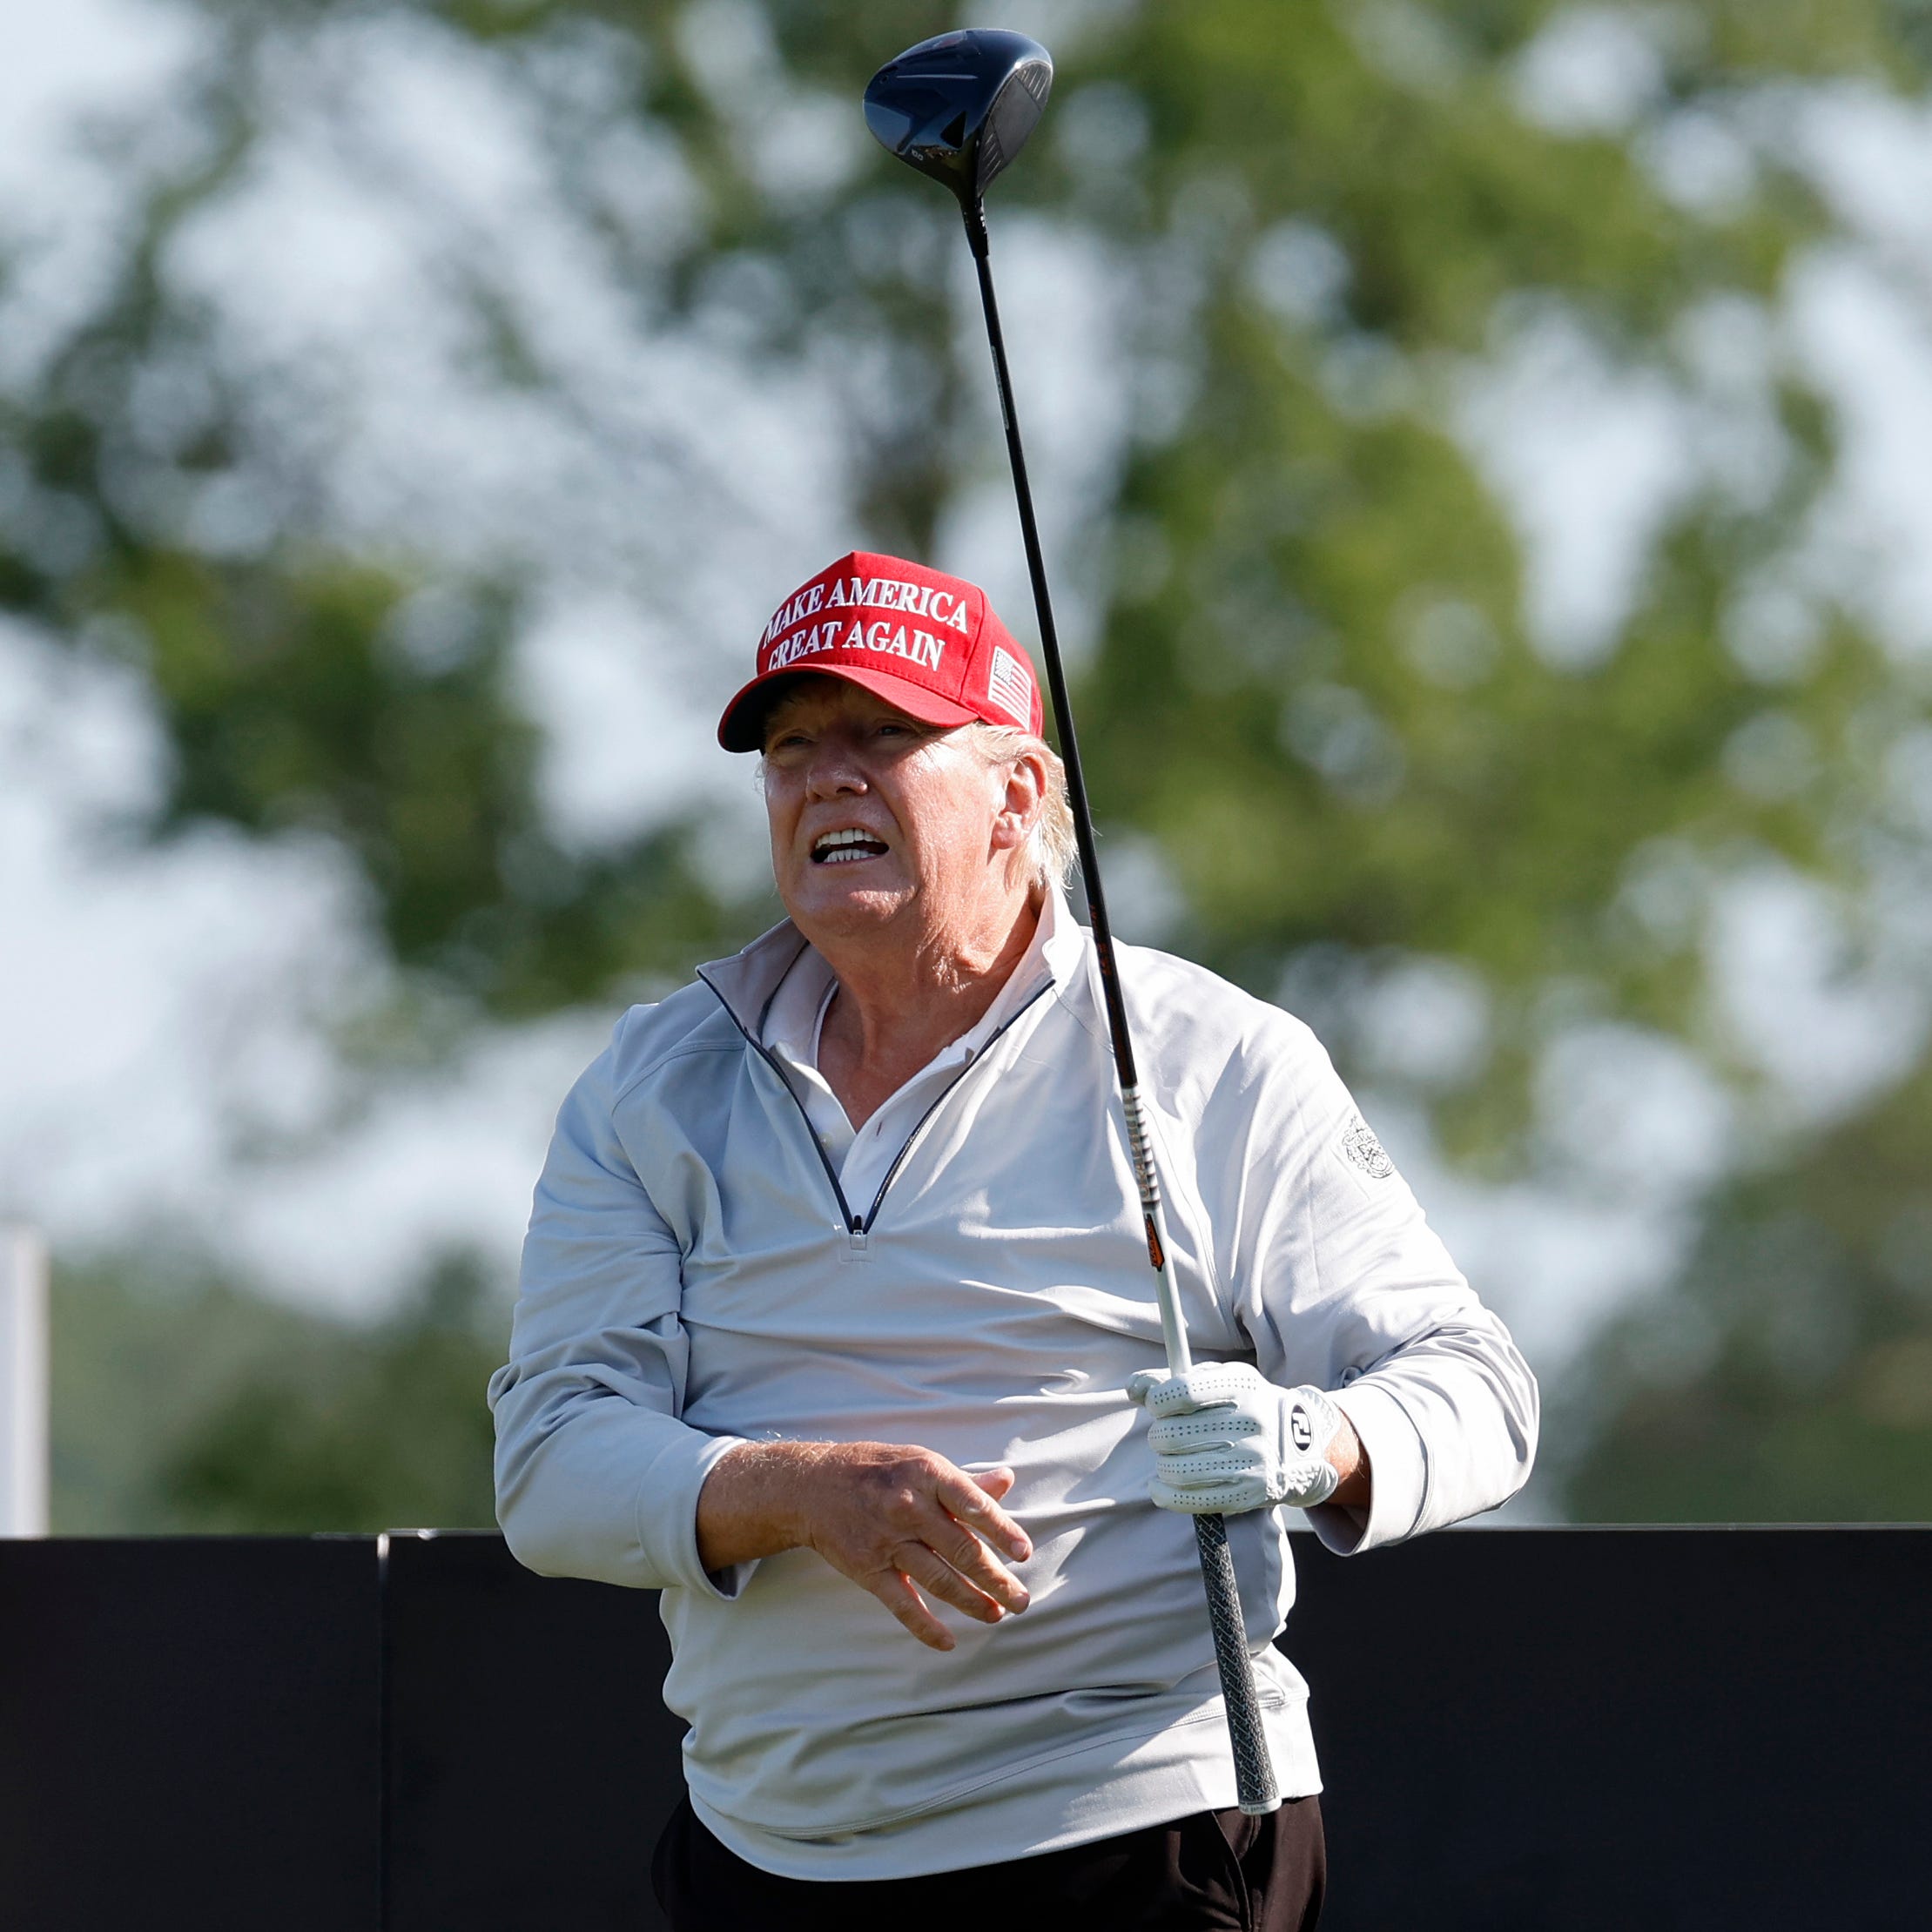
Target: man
{"x":836,"y":1278}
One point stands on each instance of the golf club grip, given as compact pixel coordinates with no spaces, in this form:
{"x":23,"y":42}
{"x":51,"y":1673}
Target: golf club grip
{"x":1254,"y":1785}
{"x":1253,"y":1773}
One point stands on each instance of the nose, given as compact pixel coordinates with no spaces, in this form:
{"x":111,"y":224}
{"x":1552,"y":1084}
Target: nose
{"x":835,"y":771}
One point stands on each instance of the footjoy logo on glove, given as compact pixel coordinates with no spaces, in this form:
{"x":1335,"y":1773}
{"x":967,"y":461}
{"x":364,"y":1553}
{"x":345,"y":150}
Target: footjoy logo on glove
{"x":1301,"y":1430}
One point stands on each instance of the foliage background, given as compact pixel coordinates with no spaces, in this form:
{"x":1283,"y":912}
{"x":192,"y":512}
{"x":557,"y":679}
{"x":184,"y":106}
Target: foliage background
{"x":1481,"y":458}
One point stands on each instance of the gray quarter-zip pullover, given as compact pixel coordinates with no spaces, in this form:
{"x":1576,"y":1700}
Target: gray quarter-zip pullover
{"x":695,"y":1275}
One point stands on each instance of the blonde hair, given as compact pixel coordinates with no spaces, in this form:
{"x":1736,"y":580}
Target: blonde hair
{"x":1051,"y":844}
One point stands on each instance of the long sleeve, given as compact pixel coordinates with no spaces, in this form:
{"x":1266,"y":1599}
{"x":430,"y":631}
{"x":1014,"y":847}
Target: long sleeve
{"x":1341,"y":1281}
{"x":595,"y":1475}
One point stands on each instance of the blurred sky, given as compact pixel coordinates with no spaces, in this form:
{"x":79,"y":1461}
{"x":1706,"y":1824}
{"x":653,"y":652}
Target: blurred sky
{"x":166,"y":1014}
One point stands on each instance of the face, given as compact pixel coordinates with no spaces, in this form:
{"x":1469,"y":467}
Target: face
{"x":876,"y":818}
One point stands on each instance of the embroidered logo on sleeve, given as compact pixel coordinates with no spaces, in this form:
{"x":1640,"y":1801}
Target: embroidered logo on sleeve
{"x":1365,"y":1152}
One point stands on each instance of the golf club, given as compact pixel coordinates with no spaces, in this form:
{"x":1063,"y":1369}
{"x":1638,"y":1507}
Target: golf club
{"x":960,"y":108}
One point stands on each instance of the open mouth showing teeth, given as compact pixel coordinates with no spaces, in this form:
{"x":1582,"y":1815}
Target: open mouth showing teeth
{"x":841,"y":848}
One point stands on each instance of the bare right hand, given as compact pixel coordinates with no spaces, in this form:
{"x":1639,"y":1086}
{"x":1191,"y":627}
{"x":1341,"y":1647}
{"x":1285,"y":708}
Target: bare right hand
{"x":893,"y":1518}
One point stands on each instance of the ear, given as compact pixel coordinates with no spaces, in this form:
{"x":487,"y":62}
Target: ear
{"x":1022,"y":793}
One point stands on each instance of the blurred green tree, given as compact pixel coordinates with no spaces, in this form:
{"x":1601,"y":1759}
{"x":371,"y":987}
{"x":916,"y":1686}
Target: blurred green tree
{"x":185,"y":1404}
{"x":375,"y":1430}
{"x":1788,"y":1375}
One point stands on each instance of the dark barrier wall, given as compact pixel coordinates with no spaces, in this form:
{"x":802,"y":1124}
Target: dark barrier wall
{"x":189,"y":1735}
{"x":1658,"y":1729}
{"x":1523,"y":1731}
{"x":530,"y":1760}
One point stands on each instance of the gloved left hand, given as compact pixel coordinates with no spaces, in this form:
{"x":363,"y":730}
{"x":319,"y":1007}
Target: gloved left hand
{"x":1225,"y":1439}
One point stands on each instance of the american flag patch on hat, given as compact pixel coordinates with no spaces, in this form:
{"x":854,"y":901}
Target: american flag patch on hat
{"x":1010,"y":686}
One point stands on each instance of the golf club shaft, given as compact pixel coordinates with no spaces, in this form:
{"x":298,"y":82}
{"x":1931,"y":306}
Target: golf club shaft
{"x":1254,"y":1771}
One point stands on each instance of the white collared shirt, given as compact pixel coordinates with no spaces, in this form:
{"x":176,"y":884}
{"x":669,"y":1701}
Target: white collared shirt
{"x":795,"y":1021}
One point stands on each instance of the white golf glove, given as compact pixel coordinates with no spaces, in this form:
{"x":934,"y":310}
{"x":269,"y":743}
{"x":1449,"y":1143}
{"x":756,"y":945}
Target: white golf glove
{"x":1225,"y":1439}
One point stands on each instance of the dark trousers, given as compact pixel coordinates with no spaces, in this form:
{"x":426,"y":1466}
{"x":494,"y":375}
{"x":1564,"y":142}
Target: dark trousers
{"x":1215,"y":1870}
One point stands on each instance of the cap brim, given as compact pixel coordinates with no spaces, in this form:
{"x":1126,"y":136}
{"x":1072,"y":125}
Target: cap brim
{"x":742,"y":728}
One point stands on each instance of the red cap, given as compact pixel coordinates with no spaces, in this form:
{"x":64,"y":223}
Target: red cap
{"x":925,"y":642}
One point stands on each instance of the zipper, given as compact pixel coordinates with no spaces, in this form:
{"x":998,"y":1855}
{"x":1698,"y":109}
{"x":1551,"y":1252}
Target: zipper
{"x":854,"y":1226}
{"x":858,"y":1229}
{"x":938,"y":1100}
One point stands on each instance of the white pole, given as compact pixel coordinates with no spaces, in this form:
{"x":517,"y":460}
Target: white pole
{"x":22,"y":1383}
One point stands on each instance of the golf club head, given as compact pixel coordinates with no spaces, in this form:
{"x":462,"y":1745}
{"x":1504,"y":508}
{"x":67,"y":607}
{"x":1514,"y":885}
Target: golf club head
{"x":960,"y":106}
